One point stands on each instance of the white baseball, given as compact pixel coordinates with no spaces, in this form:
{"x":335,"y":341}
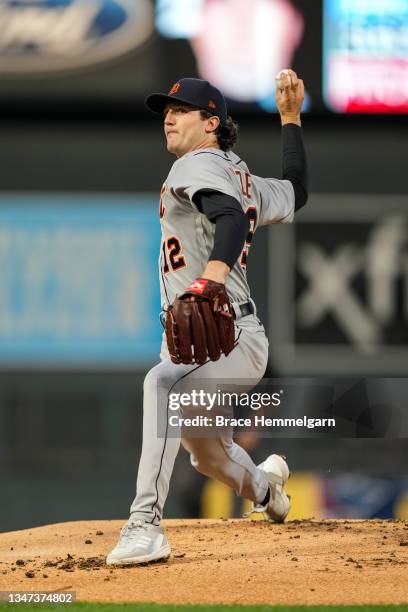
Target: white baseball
{"x":279,"y":82}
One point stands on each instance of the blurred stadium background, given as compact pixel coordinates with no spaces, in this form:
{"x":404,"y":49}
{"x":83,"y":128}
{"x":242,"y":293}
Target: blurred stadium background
{"x":82,"y":164}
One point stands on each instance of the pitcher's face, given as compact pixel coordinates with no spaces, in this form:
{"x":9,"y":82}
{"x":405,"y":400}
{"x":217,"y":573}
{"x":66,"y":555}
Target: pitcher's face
{"x":185,"y":129}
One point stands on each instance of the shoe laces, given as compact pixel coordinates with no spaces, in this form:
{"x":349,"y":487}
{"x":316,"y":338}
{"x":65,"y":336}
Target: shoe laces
{"x":133,"y":527}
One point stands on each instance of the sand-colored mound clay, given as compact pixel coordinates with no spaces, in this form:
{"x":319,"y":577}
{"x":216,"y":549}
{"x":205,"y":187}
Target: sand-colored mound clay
{"x":309,"y":562}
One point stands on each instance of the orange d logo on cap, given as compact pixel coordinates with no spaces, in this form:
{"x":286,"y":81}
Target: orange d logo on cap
{"x":174,"y":89}
{"x":196,"y":93}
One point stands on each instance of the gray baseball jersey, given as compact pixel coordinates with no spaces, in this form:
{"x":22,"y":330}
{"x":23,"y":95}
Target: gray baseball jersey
{"x":187,"y":234}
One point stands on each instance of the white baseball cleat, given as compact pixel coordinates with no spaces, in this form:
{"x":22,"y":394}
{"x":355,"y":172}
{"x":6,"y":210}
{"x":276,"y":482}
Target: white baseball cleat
{"x":139,"y":542}
{"x":278,"y":505}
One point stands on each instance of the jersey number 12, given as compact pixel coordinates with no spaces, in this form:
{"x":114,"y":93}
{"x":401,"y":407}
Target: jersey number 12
{"x":172,"y":255}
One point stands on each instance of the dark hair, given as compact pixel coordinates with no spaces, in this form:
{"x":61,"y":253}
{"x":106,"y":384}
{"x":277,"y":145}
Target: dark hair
{"x":226,"y":133}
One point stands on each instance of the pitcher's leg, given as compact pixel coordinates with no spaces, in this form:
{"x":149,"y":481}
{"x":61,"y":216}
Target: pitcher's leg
{"x":221,"y":458}
{"x":226,"y":461}
{"x":160,"y":445}
{"x":142,"y":539}
{"x":158,"y":450}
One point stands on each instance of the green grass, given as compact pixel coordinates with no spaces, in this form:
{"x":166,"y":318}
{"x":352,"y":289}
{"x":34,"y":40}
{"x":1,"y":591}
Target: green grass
{"x":147,"y":607}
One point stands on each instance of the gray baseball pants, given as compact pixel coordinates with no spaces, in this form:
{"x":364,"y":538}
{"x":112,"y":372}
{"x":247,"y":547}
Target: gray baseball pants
{"x":218,"y":457}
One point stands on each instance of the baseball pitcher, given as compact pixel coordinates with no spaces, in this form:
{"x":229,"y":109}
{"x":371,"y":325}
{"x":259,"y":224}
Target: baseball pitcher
{"x":210,"y":207}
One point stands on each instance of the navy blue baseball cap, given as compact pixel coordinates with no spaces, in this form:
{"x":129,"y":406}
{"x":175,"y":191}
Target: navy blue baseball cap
{"x":195,"y":92}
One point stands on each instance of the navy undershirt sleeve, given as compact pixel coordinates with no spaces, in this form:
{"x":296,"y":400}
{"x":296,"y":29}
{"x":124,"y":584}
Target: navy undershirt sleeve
{"x":294,"y":167}
{"x":231,"y":224}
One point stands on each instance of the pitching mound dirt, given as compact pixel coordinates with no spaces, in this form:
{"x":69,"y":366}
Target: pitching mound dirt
{"x":301,"y":562}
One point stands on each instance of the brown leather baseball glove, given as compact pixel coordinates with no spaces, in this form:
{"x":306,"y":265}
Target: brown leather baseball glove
{"x":200,"y":324}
